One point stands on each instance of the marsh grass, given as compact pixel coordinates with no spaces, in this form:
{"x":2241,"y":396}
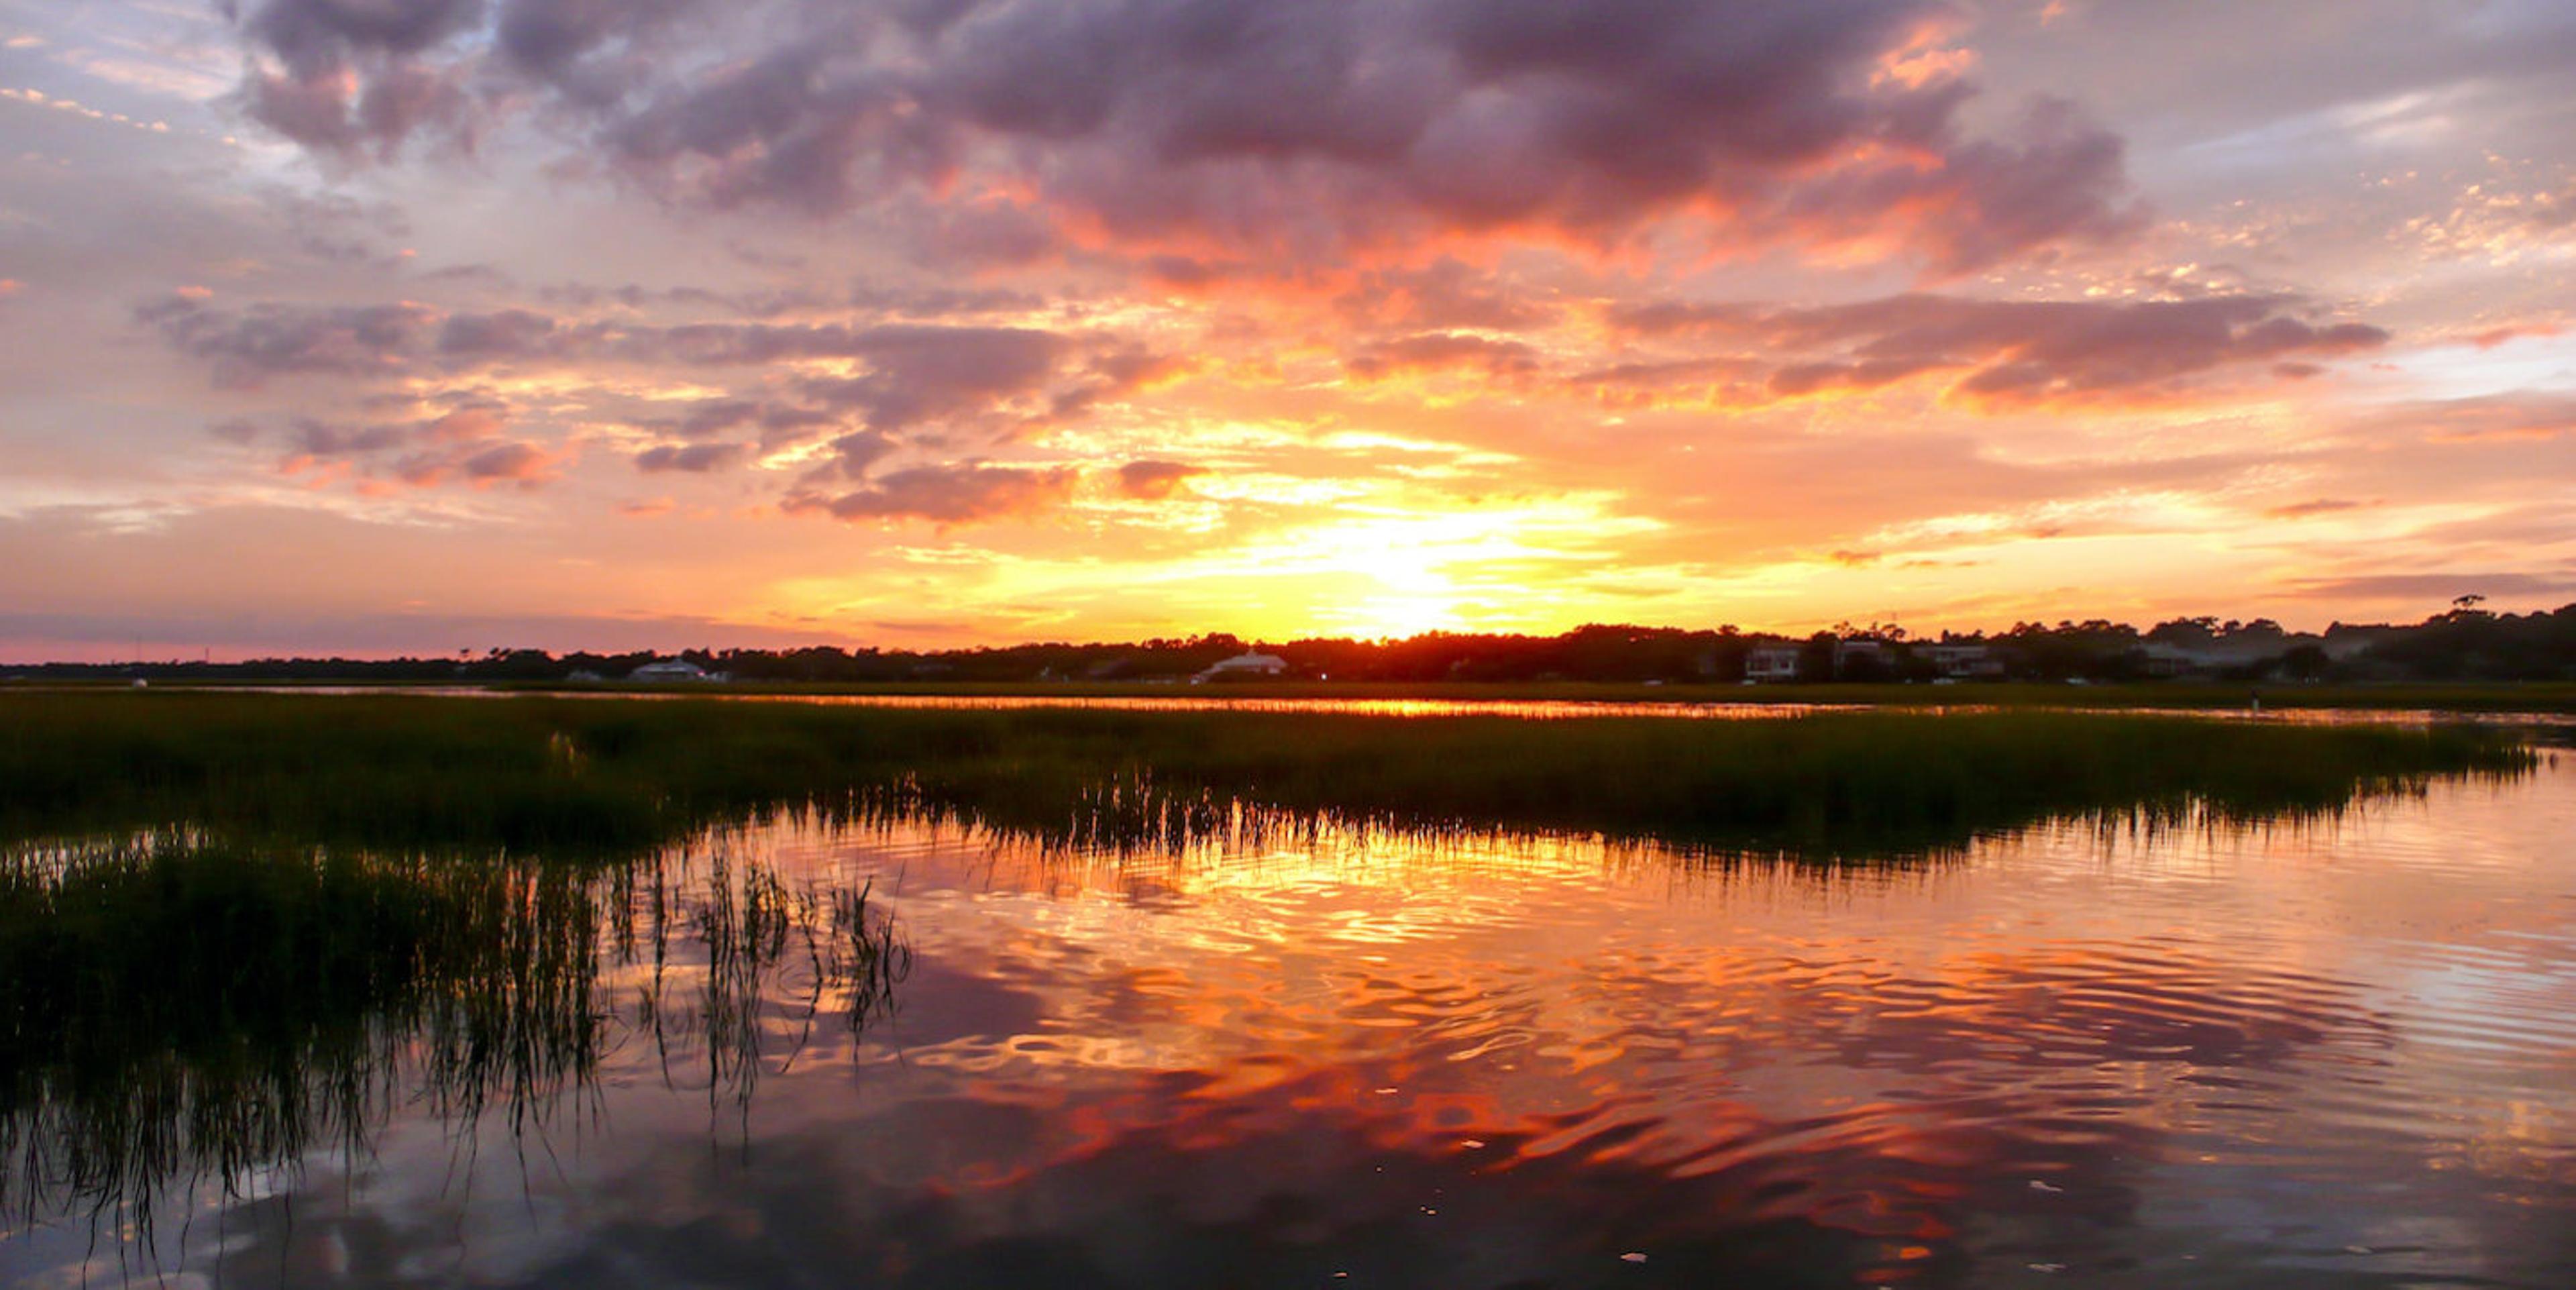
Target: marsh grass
{"x":570,"y":778}
{"x":172,"y":1012}
{"x":330,"y":907}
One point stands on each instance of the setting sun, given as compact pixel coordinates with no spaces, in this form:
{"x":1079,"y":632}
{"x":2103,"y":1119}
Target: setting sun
{"x":1374,"y":644}
{"x":464,"y":338}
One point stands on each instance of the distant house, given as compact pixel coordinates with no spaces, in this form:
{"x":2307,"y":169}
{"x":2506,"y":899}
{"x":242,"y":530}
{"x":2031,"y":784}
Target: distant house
{"x":667,"y":670}
{"x":2167,"y":661}
{"x":1773,"y":663}
{"x":1242,"y":666}
{"x":1862,"y":656}
{"x":1959,"y":659}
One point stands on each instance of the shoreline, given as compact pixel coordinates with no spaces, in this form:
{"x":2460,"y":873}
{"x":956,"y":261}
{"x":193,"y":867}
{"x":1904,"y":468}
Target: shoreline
{"x":2537,"y":697}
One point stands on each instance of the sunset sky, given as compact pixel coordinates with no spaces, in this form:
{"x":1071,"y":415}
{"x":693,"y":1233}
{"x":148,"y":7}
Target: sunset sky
{"x":405,"y":326}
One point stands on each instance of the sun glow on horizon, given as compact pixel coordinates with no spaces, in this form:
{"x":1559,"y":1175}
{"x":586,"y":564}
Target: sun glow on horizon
{"x":444,"y":347}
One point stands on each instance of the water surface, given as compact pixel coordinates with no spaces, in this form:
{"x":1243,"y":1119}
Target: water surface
{"x":2318,"y":1054}
{"x":1711,"y":704}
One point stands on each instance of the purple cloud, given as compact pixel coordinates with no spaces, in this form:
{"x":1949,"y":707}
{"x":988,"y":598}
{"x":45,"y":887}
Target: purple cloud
{"x":691,"y":458}
{"x":967,"y":493}
{"x":1283,"y":134}
{"x":2011,"y":353}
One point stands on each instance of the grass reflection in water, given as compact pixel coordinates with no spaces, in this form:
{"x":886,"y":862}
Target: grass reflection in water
{"x":172,"y":1010}
{"x":364,"y":905}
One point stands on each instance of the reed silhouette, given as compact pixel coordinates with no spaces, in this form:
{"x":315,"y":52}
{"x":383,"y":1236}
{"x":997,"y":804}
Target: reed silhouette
{"x":173,"y":1011}
{"x":237,"y":929}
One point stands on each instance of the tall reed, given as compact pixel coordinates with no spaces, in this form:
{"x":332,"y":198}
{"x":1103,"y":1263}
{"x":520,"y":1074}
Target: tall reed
{"x":174,"y":1011}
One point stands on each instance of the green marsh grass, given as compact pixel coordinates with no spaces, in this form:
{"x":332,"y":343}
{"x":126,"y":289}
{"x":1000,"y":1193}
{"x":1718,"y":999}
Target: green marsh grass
{"x":235,"y":928}
{"x":601,"y":777}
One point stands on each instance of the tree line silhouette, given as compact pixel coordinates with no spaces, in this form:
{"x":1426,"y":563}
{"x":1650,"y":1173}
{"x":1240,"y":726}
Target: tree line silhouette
{"x":2466,"y":642}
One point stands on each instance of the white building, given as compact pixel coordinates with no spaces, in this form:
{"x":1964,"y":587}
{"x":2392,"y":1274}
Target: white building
{"x":666,"y":670}
{"x":1959,"y":658}
{"x":1773,"y":662}
{"x":1243,"y":665}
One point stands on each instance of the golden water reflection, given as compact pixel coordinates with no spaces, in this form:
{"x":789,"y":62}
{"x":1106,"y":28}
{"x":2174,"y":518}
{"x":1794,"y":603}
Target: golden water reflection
{"x":1712,"y":704}
{"x":2337,"y":1053}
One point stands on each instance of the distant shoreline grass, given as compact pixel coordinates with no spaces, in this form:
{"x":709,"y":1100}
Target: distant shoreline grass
{"x":590,"y":777}
{"x":2549,"y":697}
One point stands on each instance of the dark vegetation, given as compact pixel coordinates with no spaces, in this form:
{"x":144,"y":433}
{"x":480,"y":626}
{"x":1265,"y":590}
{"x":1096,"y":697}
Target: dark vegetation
{"x":2465,"y":643}
{"x":571,"y":777}
{"x":175,"y":1009}
{"x":238,"y":929}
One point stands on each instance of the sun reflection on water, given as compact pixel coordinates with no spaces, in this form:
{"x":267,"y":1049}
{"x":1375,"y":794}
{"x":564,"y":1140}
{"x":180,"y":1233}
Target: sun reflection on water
{"x":1465,"y":1060}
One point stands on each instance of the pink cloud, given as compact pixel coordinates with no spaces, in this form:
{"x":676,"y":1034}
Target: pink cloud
{"x":1154,"y":481}
{"x":968,"y":493}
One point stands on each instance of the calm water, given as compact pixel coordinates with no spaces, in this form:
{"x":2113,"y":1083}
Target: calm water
{"x":1710,"y":705}
{"x":2329,"y":1055}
